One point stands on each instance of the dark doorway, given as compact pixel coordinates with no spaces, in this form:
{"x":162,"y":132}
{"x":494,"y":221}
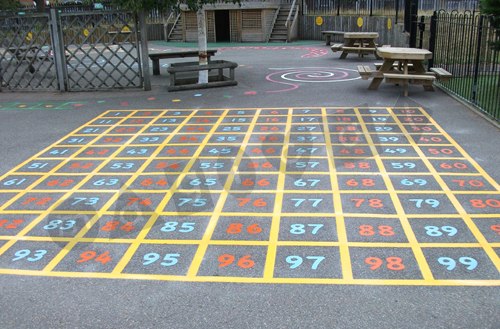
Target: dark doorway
{"x":222,"y":30}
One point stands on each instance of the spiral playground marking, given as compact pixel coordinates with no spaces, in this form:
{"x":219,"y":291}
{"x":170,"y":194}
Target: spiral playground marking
{"x":294,"y":76}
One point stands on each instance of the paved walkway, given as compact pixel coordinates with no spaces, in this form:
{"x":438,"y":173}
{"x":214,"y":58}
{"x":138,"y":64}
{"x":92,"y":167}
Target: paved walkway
{"x":297,"y":199}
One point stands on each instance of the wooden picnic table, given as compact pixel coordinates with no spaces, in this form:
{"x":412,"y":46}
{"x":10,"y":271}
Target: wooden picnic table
{"x":360,"y":43}
{"x":403,"y":66}
{"x":329,"y":34}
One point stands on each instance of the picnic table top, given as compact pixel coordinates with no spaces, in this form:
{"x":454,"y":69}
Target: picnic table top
{"x":357,"y":35}
{"x":404,"y":53}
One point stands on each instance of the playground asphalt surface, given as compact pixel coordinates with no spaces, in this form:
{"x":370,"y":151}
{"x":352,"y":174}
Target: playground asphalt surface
{"x":50,"y":302}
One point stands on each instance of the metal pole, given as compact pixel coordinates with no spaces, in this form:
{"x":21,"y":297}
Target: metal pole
{"x":432,"y":39}
{"x":143,"y":32}
{"x":58,"y":49}
{"x":477,"y":61}
{"x":397,"y":11}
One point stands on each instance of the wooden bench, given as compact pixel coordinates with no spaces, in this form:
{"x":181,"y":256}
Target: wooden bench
{"x":184,"y":76}
{"x":441,"y":73}
{"x":337,"y":47}
{"x":155,"y":57}
{"x":405,"y":79}
{"x":330,"y":34}
{"x":365,"y":71}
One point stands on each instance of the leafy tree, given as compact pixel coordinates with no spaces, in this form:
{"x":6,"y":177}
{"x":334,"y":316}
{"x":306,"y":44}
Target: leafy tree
{"x":492,"y":7}
{"x":8,"y":4}
{"x":197,"y":5}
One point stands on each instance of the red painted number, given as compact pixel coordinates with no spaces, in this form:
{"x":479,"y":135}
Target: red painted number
{"x":228,"y":259}
{"x":10,"y":224}
{"x":391,"y":263}
{"x":373,"y":203}
{"x":256,"y":203}
{"x":92,"y":255}
{"x":112,"y":225}
{"x":383,"y":230}
{"x":236,"y":228}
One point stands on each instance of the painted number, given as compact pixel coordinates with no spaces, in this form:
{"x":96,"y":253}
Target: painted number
{"x":373,"y":203}
{"x":412,"y":182}
{"x":296,"y":261}
{"x":174,"y":226}
{"x":236,"y":228}
{"x":260,"y":202}
{"x":14,"y":181}
{"x":37,"y":201}
{"x":402,"y":165}
{"x":85,"y":201}
{"x":167,"y":260}
{"x":391,"y":263}
{"x":301,"y":228}
{"x":92,"y":255}
{"x":478,"y":203}
{"x":24,"y":253}
{"x":314,"y":202}
{"x":383,"y":230}
{"x":431,"y":202}
{"x":62,"y":225}
{"x":197,"y":202}
{"x":10,"y":224}
{"x":243,"y":262}
{"x":60,"y":182}
{"x":106,"y":182}
{"x":440,"y":231}
{"x":451,"y":264}
{"x":113,"y":225}
{"x":306,"y":182}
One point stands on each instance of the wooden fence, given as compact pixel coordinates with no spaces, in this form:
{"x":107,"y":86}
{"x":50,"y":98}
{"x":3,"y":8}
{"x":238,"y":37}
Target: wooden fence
{"x":389,"y":33}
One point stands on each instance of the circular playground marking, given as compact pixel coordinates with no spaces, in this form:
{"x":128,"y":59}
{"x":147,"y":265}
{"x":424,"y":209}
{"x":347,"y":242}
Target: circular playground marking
{"x":176,"y":100}
{"x":293,"y":76}
{"x":250,"y":93}
{"x":291,"y":195}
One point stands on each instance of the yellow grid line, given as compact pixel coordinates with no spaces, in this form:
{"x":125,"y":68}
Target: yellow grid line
{"x":357,"y":113}
{"x":345,"y":258}
{"x":410,"y":235}
{"x":278,"y":201}
{"x":207,"y":236}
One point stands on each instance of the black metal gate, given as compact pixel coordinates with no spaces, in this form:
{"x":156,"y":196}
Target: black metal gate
{"x":79,"y":51}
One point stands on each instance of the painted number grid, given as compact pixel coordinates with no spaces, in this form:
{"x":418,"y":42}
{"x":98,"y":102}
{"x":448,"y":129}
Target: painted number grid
{"x":264,"y":195}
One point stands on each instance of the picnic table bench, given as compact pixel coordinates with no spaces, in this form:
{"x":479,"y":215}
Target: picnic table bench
{"x":184,"y":76}
{"x":155,"y":57}
{"x":330,"y":34}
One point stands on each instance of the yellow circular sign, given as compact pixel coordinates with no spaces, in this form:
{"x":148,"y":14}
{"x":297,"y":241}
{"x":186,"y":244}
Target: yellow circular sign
{"x":319,"y":20}
{"x":360,"y":21}
{"x":29,"y":36}
{"x":86,"y":32}
{"x":389,"y":23}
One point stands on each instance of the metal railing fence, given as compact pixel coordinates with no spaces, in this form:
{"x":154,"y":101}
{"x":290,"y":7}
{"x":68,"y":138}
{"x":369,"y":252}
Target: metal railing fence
{"x":463,"y":44}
